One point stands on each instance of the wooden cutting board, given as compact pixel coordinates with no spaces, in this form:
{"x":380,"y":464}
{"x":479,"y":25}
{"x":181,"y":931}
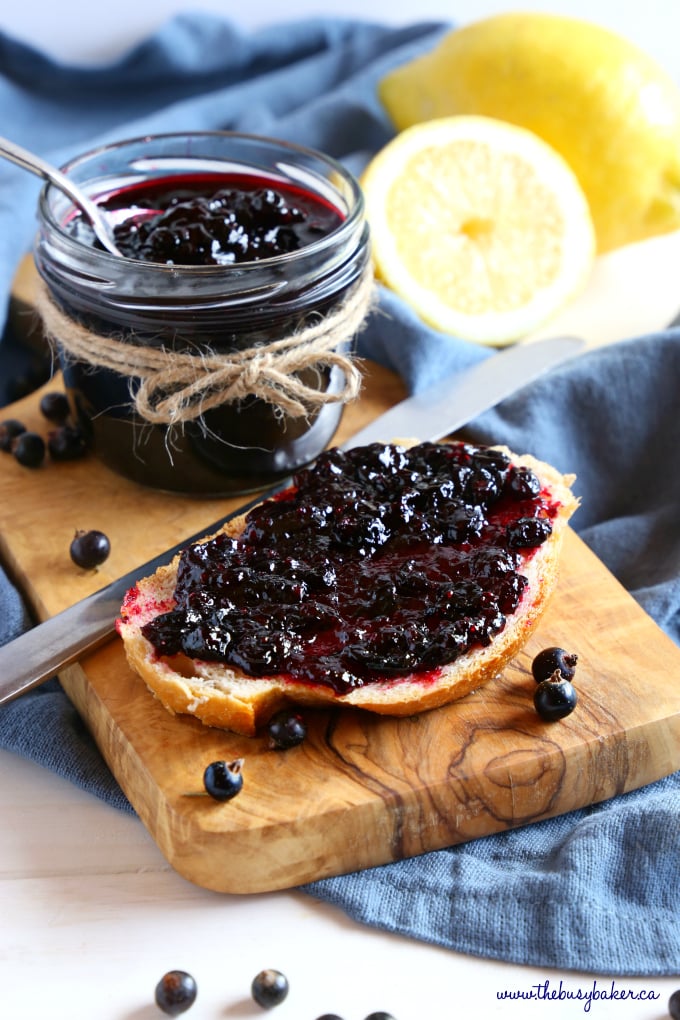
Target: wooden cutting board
{"x":361,"y":790}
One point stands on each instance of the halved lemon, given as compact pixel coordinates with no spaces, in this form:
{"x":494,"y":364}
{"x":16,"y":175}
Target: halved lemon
{"x":479,"y":225}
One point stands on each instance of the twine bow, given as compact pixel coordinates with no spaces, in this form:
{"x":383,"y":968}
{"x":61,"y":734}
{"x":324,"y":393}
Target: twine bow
{"x":180,"y":386}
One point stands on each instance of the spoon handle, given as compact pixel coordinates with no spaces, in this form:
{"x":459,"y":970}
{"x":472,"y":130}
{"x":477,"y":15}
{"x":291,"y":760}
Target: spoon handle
{"x":26,"y":159}
{"x":29,"y":161}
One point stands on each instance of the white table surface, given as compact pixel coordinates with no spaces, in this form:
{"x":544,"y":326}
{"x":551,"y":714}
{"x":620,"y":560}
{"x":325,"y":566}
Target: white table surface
{"x":91,"y":915}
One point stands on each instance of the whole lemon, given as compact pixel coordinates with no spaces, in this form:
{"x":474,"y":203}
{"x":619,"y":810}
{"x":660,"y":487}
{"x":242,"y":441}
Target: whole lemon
{"x":606,"y":106}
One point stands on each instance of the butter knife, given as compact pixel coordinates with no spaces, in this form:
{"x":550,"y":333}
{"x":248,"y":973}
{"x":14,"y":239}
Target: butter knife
{"x":438,"y":411}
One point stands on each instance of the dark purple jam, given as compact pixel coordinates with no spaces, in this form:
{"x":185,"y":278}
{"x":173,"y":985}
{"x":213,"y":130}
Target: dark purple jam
{"x":217,"y":220}
{"x":265,"y":279}
{"x":377,"y":562}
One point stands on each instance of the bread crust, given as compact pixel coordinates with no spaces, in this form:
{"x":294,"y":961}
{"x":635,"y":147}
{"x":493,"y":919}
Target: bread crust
{"x":224,"y":697}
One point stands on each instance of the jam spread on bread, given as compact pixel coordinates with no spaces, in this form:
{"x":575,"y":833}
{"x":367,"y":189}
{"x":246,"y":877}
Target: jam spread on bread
{"x":379,"y":562}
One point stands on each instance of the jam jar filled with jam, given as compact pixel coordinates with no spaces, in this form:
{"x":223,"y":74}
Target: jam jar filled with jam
{"x":231,"y":246}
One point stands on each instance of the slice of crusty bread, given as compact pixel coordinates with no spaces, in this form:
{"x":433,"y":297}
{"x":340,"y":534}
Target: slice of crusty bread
{"x":222,"y":696}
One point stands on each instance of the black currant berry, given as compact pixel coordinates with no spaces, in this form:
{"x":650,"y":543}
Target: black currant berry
{"x":380,"y":1015}
{"x":176,"y":992}
{"x":9,"y":430}
{"x":269,"y":988}
{"x":523,"y":483}
{"x":55,"y":407}
{"x":329,"y":1016}
{"x":89,"y":549}
{"x":555,"y":699}
{"x":223,"y":779}
{"x":29,"y":449}
{"x":550,"y":659}
{"x":66,"y":443}
{"x":286,"y":729}
{"x":674,"y":1005}
{"x":527,"y":532}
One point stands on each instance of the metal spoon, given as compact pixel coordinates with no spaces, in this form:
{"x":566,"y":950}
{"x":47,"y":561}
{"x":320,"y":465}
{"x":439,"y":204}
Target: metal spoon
{"x":28,"y":161}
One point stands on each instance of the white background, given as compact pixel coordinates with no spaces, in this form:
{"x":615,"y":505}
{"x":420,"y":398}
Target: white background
{"x":85,"y":31}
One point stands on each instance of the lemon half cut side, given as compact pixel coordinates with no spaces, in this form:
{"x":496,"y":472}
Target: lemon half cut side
{"x":479,"y":225}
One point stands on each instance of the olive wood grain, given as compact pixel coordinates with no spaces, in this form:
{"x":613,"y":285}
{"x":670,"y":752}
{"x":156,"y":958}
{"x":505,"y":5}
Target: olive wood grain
{"x":362,"y":790}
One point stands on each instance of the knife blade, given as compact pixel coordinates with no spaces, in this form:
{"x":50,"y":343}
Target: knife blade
{"x":438,"y":411}
{"x":453,"y":401}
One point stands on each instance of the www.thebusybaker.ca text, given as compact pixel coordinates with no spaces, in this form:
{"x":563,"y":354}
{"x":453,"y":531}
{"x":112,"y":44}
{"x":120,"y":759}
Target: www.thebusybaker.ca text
{"x":559,"y":993}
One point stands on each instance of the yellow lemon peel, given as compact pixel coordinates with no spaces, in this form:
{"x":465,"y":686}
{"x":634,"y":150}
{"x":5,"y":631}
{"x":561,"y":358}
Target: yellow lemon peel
{"x":604,"y":104}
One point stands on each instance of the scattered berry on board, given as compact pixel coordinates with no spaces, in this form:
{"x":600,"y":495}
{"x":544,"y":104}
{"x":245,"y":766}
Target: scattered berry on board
{"x":29,"y":449}
{"x":223,"y":780}
{"x":55,"y":407}
{"x":555,"y":698}
{"x":550,"y":659}
{"x":66,"y":442}
{"x":9,"y":430}
{"x":89,"y":549}
{"x":286,"y":729}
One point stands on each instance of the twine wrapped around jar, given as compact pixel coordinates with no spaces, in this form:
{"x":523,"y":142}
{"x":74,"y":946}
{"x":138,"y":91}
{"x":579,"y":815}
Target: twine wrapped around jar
{"x":180,"y":386}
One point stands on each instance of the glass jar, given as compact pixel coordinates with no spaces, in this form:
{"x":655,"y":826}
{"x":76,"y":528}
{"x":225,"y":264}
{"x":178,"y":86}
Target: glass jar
{"x":241,"y":445}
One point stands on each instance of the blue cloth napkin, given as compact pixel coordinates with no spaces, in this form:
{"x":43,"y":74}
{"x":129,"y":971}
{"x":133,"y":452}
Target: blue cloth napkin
{"x":594,"y":890}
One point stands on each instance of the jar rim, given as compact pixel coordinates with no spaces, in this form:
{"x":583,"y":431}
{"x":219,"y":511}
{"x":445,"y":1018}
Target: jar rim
{"x":355,"y":204}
